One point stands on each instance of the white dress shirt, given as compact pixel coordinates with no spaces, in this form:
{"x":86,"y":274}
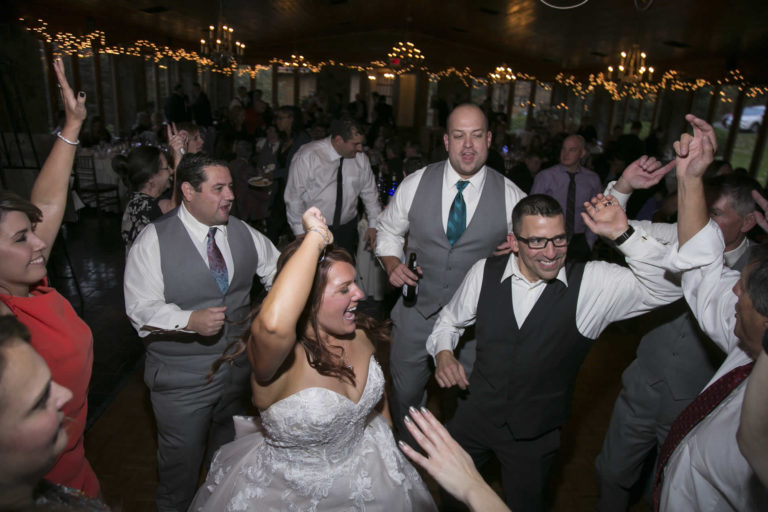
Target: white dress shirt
{"x":144,"y":286}
{"x":707,"y":472}
{"x":393,"y":224}
{"x":312,"y":182}
{"x":608,"y":292}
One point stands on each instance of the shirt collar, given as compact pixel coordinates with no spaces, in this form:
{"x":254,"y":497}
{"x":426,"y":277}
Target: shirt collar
{"x":579,"y":169}
{"x":731,"y":257}
{"x":330,"y":151}
{"x":451,"y":177}
{"x":512,"y":269}
{"x":194,"y":226}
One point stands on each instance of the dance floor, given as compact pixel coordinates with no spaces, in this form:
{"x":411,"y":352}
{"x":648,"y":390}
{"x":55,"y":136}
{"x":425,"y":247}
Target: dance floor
{"x":120,"y":441}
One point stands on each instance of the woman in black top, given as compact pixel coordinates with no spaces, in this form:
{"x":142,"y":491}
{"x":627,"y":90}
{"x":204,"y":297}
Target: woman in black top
{"x":146,"y":173}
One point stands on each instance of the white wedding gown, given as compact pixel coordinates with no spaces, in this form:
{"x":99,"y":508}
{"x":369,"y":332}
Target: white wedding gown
{"x":315,"y":450}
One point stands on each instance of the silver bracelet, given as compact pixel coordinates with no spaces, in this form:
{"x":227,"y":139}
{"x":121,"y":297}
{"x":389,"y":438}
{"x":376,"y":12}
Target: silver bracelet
{"x":326,"y":235}
{"x":71,"y":143}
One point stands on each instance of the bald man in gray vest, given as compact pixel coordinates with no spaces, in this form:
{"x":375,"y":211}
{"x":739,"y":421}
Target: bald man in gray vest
{"x":187,"y":286}
{"x":454,"y":213}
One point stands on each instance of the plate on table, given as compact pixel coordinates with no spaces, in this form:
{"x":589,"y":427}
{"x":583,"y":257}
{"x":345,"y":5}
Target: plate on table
{"x":259,"y":182}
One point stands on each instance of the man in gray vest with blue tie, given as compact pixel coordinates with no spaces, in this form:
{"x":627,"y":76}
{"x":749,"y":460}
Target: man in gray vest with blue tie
{"x":454,"y":213}
{"x":187,"y":285}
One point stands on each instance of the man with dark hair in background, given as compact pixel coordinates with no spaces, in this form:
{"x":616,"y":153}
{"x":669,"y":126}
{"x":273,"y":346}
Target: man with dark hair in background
{"x":331,"y":174}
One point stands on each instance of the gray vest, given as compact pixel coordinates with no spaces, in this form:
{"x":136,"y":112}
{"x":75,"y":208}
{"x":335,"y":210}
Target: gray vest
{"x":189,"y":284}
{"x":444,"y":266}
{"x":676,"y":349}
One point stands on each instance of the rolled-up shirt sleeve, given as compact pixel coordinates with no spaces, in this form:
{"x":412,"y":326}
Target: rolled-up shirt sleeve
{"x":393,"y":225}
{"x":459,"y":313}
{"x":268,"y":255}
{"x":369,"y":193}
{"x":295,"y":205}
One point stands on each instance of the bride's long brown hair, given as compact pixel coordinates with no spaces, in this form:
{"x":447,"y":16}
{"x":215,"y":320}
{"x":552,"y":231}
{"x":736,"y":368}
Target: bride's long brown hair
{"x":327,"y":360}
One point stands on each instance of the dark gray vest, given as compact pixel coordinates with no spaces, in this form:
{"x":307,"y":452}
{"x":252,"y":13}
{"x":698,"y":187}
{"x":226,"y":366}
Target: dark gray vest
{"x":444,"y":266}
{"x":524,"y":377}
{"x":189,"y":284}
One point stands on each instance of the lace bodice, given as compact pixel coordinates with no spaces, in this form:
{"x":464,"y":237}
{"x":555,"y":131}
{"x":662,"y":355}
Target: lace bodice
{"x":320,"y":425}
{"x":315,"y":450}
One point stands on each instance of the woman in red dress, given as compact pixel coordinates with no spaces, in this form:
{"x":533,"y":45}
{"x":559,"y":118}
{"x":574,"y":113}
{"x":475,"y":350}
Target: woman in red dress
{"x":27,"y":232}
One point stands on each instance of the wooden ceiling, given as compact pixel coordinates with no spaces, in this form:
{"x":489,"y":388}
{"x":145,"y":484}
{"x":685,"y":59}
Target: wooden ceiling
{"x":700,"y":38}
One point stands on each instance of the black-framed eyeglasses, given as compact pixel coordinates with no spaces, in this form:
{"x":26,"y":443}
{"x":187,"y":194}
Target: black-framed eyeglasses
{"x":536,"y":242}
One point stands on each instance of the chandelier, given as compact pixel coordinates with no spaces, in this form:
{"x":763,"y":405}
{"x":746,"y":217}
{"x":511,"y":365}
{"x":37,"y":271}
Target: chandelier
{"x":405,"y":56}
{"x":632,"y":67}
{"x":503,"y":74}
{"x":219,"y":47}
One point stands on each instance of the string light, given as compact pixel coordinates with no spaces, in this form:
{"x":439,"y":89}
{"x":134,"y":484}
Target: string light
{"x":84,"y":46}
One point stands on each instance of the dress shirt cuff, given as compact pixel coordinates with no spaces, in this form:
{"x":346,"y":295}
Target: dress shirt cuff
{"x":702,"y":249}
{"x":175,"y":321}
{"x":388,"y":249}
{"x":437,"y":343}
{"x":622,"y":198}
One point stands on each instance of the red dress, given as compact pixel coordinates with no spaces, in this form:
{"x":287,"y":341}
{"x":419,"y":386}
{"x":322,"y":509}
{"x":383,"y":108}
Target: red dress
{"x":65,"y":342}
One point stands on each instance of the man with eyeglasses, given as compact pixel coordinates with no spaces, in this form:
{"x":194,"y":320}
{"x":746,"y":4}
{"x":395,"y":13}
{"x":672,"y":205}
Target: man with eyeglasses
{"x":535,"y":318}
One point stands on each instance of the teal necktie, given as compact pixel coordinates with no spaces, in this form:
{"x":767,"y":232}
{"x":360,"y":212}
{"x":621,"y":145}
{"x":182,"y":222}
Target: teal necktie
{"x":457,"y":217}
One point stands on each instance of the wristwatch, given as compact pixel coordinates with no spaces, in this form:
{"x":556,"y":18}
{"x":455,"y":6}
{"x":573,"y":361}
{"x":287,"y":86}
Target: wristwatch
{"x":624,"y":236}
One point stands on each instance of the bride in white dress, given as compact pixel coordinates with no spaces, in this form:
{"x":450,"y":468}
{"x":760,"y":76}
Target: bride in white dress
{"x":322,"y":442}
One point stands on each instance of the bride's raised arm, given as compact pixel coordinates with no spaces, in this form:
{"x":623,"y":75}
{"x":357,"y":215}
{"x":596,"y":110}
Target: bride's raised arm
{"x":273,"y":331}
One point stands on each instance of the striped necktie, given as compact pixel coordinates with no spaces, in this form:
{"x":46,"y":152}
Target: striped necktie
{"x":696,"y":411}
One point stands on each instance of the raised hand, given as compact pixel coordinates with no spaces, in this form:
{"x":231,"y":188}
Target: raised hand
{"x":643,"y":173}
{"x":74,"y":106}
{"x":177,"y":141}
{"x":605,"y":217}
{"x":695,"y":153}
{"x":761,"y":217}
{"x":313,"y":218}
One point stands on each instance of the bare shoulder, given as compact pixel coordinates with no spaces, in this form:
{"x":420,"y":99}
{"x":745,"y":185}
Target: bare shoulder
{"x":4,"y":309}
{"x":364,"y":342}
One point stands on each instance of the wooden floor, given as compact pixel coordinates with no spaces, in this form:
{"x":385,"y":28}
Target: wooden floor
{"x":120,"y":442}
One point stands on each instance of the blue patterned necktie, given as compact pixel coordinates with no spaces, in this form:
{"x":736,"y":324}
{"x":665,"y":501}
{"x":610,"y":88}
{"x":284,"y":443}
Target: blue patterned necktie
{"x":457,"y":217}
{"x":216,"y":262}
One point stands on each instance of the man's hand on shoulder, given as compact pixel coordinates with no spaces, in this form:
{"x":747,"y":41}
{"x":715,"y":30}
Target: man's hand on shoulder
{"x":449,"y":371}
{"x":207,"y":322}
{"x":504,"y":247}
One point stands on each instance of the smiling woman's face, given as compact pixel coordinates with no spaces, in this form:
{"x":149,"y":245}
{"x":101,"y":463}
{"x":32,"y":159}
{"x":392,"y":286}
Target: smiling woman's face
{"x":32,"y":434}
{"x":22,"y":261}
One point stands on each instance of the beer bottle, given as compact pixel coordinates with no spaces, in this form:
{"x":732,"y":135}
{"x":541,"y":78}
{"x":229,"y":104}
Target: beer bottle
{"x":411,"y":292}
